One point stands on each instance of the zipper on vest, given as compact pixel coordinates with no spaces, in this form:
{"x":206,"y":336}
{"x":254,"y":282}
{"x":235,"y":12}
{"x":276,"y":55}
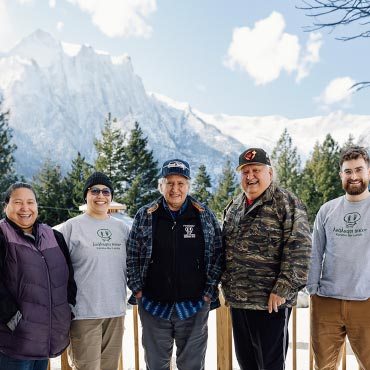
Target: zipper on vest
{"x":50,"y":303}
{"x":174,"y":270}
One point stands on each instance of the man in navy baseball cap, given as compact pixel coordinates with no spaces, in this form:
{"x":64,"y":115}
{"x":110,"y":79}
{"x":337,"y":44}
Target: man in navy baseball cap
{"x":174,"y":263}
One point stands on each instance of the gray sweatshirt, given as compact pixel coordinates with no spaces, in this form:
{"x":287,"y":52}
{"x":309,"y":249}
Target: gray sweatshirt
{"x":340,"y":261}
{"x":98,"y":254}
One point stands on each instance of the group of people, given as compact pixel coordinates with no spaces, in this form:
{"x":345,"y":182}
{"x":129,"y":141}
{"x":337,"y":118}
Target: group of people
{"x":68,"y":287}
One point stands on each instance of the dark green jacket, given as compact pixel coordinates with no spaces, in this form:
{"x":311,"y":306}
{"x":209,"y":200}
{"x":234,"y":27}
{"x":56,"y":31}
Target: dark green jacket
{"x":268,"y":248}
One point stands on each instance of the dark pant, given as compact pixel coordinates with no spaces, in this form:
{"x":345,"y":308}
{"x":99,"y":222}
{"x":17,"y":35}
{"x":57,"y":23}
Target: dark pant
{"x":8,"y":363}
{"x":260,"y":338}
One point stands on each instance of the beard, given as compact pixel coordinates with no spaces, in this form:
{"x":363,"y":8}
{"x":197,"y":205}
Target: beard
{"x":355,"y":189}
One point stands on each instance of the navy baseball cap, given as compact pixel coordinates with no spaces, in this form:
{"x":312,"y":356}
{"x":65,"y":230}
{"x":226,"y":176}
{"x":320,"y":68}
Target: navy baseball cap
{"x":176,"y":167}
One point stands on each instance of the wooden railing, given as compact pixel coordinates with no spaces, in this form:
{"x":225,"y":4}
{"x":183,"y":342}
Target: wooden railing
{"x":224,"y":343}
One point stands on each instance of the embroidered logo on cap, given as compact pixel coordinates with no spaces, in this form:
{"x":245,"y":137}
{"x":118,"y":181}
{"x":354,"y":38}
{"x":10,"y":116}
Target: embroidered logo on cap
{"x":250,"y":155}
{"x":176,"y":164}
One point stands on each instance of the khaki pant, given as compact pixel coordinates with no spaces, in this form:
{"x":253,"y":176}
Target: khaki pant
{"x":331,"y":320}
{"x":96,"y":344}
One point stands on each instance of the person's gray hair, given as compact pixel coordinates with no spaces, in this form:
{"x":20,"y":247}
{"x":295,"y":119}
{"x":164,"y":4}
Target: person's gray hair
{"x":163,"y":180}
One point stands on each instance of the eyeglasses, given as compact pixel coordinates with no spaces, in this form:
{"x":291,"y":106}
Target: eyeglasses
{"x":96,"y":191}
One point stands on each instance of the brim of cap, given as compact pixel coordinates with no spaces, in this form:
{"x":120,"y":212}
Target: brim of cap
{"x":176,"y":173}
{"x":246,"y":164}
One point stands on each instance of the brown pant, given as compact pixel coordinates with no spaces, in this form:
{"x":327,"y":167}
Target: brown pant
{"x":331,"y":320}
{"x":96,"y":344}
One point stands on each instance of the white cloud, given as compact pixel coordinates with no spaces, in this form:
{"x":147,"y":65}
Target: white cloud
{"x":25,"y":1}
{"x":119,"y":17}
{"x":337,"y":91}
{"x":265,"y":51}
{"x":60,"y":26}
{"x":311,"y":56}
{"x":52,"y":3}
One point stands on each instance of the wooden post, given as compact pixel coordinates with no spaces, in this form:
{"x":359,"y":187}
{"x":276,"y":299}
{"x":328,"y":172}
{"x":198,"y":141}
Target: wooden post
{"x":294,"y":344}
{"x":49,"y":365}
{"x":310,"y":341}
{"x":344,"y":356}
{"x":120,"y":362}
{"x":136,"y":336}
{"x":224,"y":337}
{"x":64,"y":361}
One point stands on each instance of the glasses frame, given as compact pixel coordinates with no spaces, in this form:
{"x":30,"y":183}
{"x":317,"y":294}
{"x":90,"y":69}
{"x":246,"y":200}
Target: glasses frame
{"x":106,"y":192}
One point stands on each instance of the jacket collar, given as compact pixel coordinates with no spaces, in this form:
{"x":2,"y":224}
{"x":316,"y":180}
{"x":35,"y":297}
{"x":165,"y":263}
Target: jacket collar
{"x":20,"y":230}
{"x":152,"y":207}
{"x":266,"y":196}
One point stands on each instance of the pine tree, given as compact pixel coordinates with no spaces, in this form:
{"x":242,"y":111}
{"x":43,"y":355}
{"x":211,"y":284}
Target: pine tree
{"x":51,"y":194}
{"x":320,"y":179}
{"x":226,"y":189}
{"x":7,"y":149}
{"x":350,"y":142}
{"x":139,"y":171}
{"x":287,"y":163}
{"x":111,"y":155}
{"x":202,"y":183}
{"x":74,"y":183}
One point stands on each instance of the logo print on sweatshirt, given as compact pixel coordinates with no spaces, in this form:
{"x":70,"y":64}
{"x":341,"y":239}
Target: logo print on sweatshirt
{"x":351,"y":219}
{"x":189,"y":229}
{"x":105,"y":234}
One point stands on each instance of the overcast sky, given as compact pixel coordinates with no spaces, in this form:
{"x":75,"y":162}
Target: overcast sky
{"x":235,"y":57}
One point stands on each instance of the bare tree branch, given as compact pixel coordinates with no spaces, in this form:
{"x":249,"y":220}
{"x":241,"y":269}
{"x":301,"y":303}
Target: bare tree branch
{"x":333,"y":13}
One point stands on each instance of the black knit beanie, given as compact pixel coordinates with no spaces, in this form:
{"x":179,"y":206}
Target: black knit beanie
{"x":98,"y":178}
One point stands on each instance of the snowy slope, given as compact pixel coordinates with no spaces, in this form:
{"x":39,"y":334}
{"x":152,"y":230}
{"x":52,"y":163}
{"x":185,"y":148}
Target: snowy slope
{"x":59,"y":95}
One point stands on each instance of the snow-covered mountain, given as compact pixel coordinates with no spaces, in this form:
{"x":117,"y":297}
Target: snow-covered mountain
{"x":59,"y":95}
{"x":305,"y":132}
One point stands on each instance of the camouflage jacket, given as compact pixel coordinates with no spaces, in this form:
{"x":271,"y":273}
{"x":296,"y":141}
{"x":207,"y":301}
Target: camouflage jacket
{"x":268,"y":248}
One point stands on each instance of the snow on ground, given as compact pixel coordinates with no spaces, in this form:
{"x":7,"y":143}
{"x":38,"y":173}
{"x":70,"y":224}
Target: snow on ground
{"x":211,"y":357}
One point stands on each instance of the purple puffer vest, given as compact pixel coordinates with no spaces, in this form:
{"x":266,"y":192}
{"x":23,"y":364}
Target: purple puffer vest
{"x":37,"y":278}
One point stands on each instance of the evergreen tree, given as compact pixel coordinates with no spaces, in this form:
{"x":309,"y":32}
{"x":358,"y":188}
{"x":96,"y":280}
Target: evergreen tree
{"x":51,"y":194}
{"x":320,"y":179}
{"x":350,"y":142}
{"x":74,"y":183}
{"x":202,"y":183}
{"x":287,"y":163}
{"x":7,"y":149}
{"x":226,"y":189}
{"x":111,"y":155}
{"x":139,"y":171}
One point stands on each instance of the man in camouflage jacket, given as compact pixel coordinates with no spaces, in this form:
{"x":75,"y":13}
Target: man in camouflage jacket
{"x":267,"y":239}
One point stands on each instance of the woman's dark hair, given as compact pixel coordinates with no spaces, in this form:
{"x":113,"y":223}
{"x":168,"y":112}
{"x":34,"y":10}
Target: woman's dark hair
{"x":18,"y":185}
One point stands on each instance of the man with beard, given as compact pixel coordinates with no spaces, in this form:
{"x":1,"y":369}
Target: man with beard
{"x":339,"y":277}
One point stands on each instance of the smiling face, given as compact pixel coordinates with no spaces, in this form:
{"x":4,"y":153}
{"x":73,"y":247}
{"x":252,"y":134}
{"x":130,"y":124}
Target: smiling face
{"x":22,"y":208}
{"x":175,"y":188}
{"x":355,"y":176}
{"x":255,"y":179}
{"x":98,"y":204}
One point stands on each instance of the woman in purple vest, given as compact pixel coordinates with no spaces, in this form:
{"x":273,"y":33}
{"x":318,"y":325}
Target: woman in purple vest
{"x":36,"y":285}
